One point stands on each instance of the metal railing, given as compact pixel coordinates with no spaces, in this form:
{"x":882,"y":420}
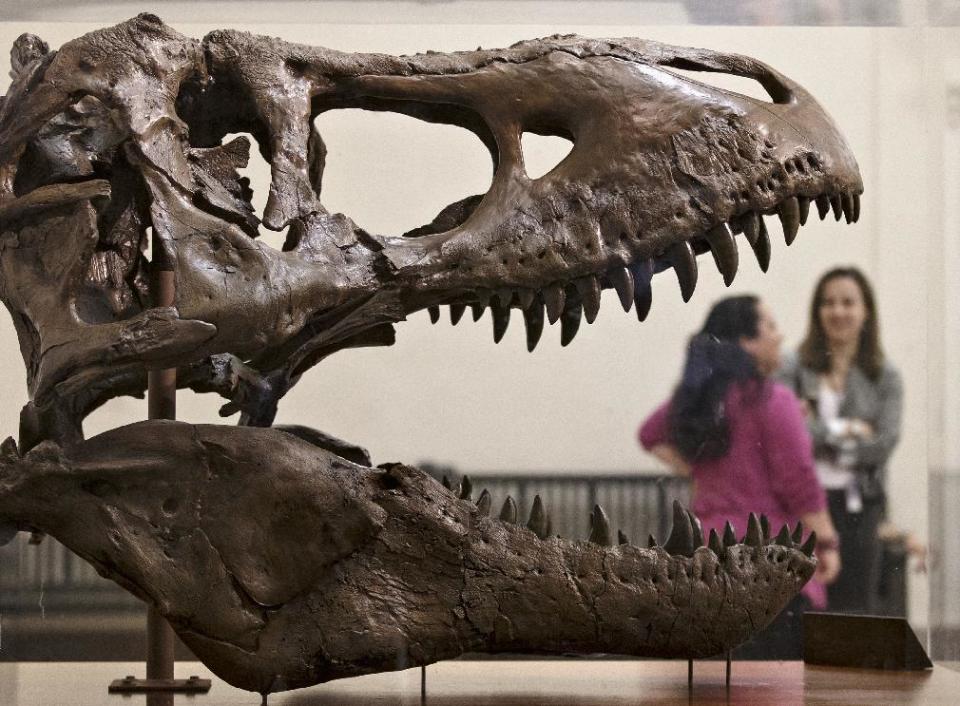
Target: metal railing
{"x":47,"y":580}
{"x":49,"y":577}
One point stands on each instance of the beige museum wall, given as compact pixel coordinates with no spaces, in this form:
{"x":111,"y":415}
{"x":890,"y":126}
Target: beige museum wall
{"x":449,"y":394}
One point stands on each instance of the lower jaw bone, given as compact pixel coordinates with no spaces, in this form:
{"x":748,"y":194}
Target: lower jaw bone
{"x":283,"y":565}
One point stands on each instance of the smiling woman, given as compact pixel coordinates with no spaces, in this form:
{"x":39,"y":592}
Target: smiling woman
{"x":853,"y":399}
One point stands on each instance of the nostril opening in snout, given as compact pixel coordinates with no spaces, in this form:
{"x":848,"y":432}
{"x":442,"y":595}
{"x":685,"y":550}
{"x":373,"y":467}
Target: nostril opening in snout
{"x":762,"y":87}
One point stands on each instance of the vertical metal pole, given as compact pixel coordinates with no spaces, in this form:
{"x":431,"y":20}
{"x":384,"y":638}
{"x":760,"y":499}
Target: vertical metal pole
{"x":728,"y":669}
{"x":161,"y":404}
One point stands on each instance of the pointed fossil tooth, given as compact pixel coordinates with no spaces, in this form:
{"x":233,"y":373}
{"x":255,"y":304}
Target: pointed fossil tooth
{"x":554,"y":298}
{"x":783,"y":537}
{"x":753,"y":537}
{"x":823,"y":206}
{"x":501,"y":319}
{"x":790,"y":218}
{"x":680,"y":541}
{"x":483,"y":298}
{"x":804,"y":203}
{"x":504,"y":296}
{"x":484,"y":502}
{"x":508,"y":513}
{"x":750,"y":223}
{"x":652,"y":542}
{"x":810,"y":544}
{"x":684,"y":262}
{"x":446,"y":483}
{"x":846,"y":203}
{"x":729,"y":535}
{"x":856,"y":207}
{"x":761,"y":247}
{"x":622,"y":538}
{"x":600,"y":527}
{"x":697,"y":530}
{"x":533,"y":320}
{"x":589,"y":288}
{"x":642,"y":291}
{"x":798,"y":533}
{"x":764,"y":529}
{"x":466,"y":488}
{"x":538,"y":519}
{"x":8,"y":449}
{"x":724,"y":250}
{"x":434,"y":313}
{"x":570,"y":322}
{"x":836,"y":204}
{"x":622,"y":280}
{"x":456,"y":313}
{"x":713,"y":543}
{"x":525,"y":297}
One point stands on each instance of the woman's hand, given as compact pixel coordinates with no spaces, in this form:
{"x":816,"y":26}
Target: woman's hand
{"x":672,"y":458}
{"x":828,"y":558}
{"x":861,"y":429}
{"x":828,"y":566}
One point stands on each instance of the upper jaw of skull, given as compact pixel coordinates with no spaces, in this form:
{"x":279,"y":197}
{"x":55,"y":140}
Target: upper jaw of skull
{"x":658,"y":161}
{"x":687,"y":159}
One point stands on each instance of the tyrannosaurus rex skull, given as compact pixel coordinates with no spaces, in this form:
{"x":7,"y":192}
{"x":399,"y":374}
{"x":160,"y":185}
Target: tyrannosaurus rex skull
{"x":121,"y":129}
{"x":116,"y":137}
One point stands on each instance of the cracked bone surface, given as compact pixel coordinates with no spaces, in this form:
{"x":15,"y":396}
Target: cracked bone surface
{"x":282,"y":565}
{"x":116,"y":139}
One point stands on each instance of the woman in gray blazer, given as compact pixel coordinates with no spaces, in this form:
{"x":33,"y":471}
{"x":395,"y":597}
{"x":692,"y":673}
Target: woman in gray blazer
{"x":853,"y":398}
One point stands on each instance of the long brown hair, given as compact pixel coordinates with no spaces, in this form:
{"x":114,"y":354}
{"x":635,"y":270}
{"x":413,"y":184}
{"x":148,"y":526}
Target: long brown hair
{"x":814,"y":351}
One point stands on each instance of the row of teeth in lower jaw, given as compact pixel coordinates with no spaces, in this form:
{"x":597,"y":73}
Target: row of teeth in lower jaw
{"x":569,"y":302}
{"x":685,"y":538}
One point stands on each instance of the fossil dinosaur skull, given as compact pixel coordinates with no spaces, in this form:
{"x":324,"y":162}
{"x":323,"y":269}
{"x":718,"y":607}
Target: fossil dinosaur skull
{"x":121,"y":130}
{"x":117,"y":137}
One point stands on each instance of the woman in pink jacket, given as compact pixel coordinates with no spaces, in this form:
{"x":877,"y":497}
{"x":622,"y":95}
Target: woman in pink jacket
{"x":742,"y":439}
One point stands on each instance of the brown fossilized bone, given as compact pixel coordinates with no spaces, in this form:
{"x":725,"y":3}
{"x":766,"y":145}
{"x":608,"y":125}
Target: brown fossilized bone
{"x":282,"y":565}
{"x":308,"y":567}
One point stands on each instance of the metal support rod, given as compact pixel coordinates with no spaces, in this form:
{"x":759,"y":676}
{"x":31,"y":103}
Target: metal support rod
{"x":423,"y":683}
{"x":159,"y":684}
{"x":689,"y":674}
{"x":728,"y":668}
{"x":161,"y":404}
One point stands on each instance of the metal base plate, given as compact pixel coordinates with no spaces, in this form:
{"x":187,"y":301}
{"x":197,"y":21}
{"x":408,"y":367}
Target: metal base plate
{"x":132,"y":685}
{"x":862,"y":641}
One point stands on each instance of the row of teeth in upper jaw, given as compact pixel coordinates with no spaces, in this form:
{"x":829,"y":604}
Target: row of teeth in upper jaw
{"x":685,"y":538}
{"x":568,"y":302}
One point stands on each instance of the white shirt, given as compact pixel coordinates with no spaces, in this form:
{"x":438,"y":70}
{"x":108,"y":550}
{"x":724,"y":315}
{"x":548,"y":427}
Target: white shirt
{"x":836,"y":474}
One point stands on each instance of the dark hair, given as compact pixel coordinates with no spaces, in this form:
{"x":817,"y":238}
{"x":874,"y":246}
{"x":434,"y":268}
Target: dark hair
{"x":814,"y":351}
{"x":698,"y":424}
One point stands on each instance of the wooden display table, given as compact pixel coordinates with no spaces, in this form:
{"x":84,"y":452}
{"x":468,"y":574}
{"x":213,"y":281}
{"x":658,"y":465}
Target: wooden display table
{"x":511,"y":683}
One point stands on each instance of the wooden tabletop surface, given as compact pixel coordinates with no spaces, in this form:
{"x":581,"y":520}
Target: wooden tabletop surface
{"x":510,"y":683}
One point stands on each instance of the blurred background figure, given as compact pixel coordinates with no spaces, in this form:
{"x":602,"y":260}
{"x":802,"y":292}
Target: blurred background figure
{"x":853,"y":399}
{"x":742,"y":438}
